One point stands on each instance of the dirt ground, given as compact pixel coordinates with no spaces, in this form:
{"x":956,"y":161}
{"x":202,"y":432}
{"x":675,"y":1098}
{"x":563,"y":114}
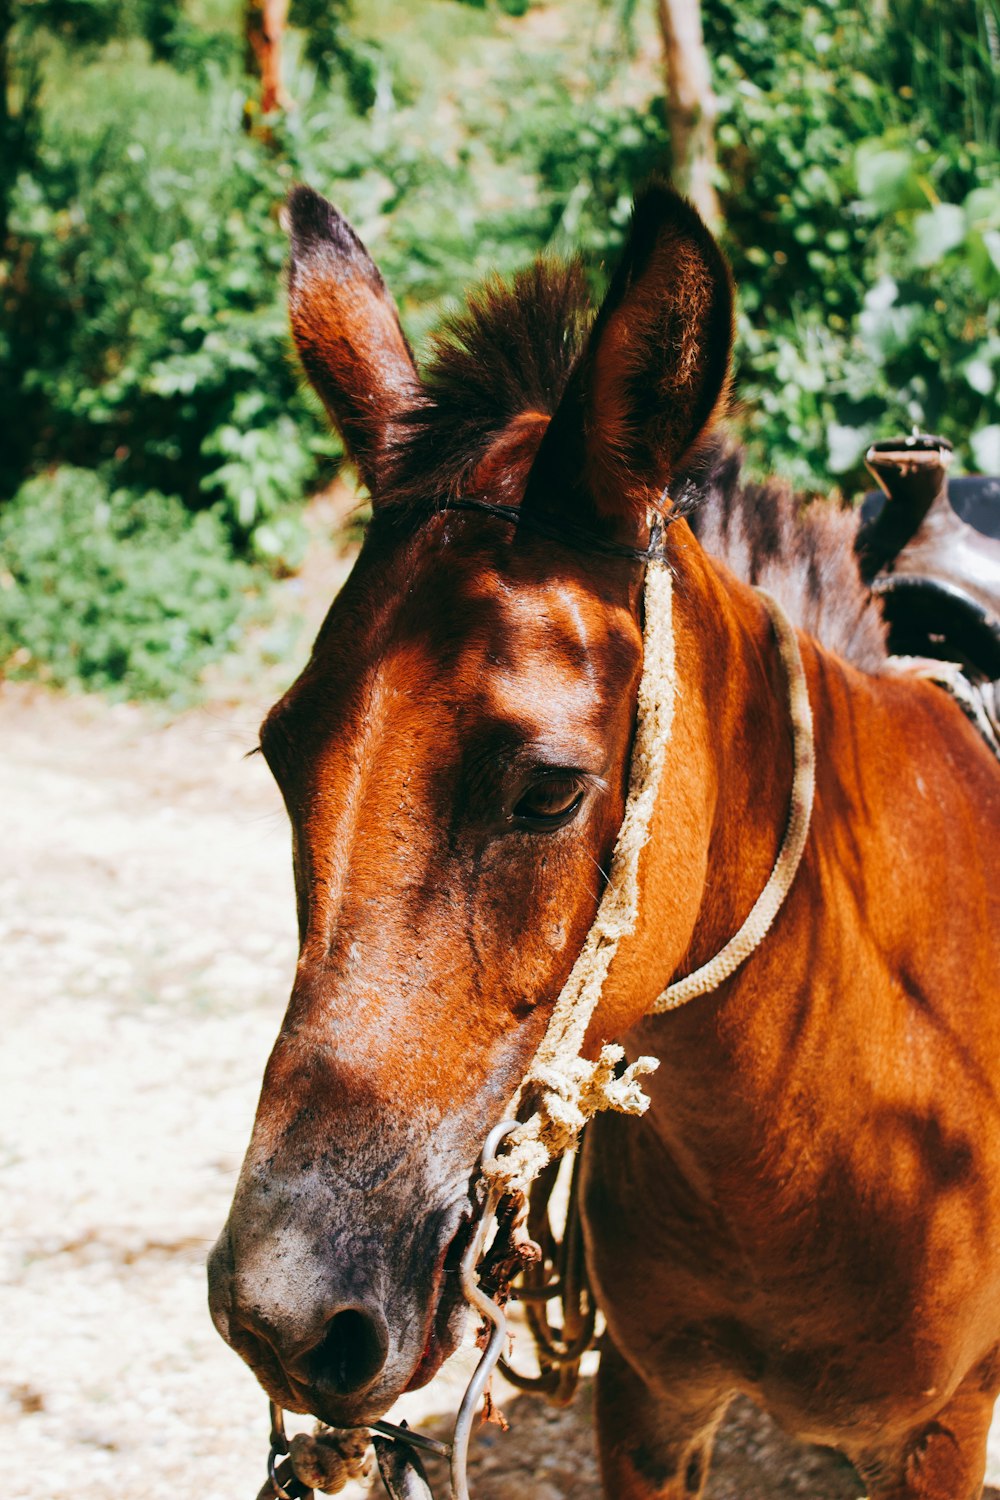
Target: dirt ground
{"x":147,"y":933}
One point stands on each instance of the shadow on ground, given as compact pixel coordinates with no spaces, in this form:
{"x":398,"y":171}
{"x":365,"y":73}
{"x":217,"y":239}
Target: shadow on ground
{"x":549,"y":1455}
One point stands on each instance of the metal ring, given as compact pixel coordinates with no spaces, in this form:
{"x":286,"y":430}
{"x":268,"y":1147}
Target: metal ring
{"x":272,"y":1474}
{"x":279,"y":1442}
{"x":488,"y":1160}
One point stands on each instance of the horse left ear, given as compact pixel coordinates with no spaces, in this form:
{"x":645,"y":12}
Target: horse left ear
{"x":348,"y":335}
{"x":656,"y":368}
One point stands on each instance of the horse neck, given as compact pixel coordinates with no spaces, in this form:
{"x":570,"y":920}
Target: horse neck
{"x":898,"y":768}
{"x":723,"y":800}
{"x":721,"y":816}
{"x":734,"y":741}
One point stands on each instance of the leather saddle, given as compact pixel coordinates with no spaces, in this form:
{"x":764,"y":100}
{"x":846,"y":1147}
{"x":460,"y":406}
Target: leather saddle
{"x":930,"y":549}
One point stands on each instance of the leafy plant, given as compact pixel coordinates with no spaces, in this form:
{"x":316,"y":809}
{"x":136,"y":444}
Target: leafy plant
{"x":332,"y":47}
{"x":144,"y":324}
{"x":860,"y":154}
{"x":113,"y":589}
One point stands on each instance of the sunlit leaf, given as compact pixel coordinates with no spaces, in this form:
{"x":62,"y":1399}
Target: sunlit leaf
{"x":887,"y":177}
{"x":937,"y":231}
{"x":846,"y":446}
{"x":985,"y":445}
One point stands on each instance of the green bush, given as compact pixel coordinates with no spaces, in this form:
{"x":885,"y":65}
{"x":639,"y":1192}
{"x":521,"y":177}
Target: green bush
{"x":114,"y":590}
{"x":143,"y":336}
{"x":860,"y":155}
{"x":144,"y":330}
{"x":544,"y":156}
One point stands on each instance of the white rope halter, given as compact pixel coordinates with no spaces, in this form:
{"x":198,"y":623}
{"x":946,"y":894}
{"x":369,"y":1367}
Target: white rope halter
{"x":565,"y":1088}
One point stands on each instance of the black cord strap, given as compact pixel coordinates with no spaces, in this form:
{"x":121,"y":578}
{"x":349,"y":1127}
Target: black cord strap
{"x":576,"y":537}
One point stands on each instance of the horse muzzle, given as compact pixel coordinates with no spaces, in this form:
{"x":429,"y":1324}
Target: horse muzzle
{"x":341,"y":1323}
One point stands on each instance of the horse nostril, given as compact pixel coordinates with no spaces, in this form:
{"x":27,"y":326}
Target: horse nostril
{"x":352,"y":1352}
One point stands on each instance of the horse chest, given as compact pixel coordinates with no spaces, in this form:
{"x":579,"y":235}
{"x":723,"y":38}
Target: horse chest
{"x":830,"y":1310}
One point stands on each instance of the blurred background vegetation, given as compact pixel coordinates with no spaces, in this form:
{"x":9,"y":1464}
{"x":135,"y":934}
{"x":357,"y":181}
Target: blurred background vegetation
{"x":156,"y":443}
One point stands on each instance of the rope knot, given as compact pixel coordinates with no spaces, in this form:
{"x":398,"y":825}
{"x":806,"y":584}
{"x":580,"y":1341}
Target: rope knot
{"x":328,"y":1457}
{"x":568,"y":1095}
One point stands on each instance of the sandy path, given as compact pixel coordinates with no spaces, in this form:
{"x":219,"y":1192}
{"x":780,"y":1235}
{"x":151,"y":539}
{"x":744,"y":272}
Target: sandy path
{"x":146,"y":927}
{"x":146,"y":922}
{"x":145,"y":911}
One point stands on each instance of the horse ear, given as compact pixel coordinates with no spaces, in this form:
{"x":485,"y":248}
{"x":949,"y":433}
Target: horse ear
{"x":656,"y":368}
{"x":346,"y":329}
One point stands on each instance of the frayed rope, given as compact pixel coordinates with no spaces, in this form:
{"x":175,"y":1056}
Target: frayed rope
{"x":565,"y":1089}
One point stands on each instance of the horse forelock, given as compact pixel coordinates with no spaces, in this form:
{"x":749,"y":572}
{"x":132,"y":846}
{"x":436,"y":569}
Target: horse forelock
{"x":497,"y":374}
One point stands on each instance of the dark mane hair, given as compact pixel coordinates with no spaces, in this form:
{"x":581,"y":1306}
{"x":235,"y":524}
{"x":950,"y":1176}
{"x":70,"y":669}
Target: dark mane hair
{"x":803,"y":554}
{"x":512,"y":351}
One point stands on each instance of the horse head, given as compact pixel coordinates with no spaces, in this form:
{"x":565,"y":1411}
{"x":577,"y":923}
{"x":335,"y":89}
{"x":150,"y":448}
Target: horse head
{"x":454,"y":760}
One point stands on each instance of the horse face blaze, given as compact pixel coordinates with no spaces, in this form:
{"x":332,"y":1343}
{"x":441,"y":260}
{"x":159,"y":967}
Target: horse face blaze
{"x":453,"y":763}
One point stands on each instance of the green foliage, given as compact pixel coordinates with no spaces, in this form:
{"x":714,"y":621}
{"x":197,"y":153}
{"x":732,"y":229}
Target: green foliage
{"x":114,"y":590}
{"x":509,"y":7}
{"x":85,"y":22}
{"x":143,"y":338}
{"x":144,"y":330}
{"x":860,"y":157}
{"x":87,"y":25}
{"x":538,"y":159}
{"x":333,"y":49}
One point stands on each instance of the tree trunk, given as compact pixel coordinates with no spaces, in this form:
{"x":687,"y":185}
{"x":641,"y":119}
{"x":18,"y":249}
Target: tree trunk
{"x":263,"y":28}
{"x":8,"y":165}
{"x":691,"y":107}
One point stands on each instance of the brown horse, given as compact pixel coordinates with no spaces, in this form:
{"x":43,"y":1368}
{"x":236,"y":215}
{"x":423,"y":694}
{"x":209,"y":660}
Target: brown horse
{"x":810,"y":1210}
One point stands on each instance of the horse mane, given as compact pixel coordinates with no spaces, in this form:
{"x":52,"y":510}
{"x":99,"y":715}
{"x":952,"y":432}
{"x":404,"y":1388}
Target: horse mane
{"x":803,"y":554}
{"x":512,"y":351}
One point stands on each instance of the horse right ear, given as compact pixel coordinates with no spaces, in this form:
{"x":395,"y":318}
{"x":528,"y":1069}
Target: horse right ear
{"x":653,"y":376}
{"x":346,"y":329}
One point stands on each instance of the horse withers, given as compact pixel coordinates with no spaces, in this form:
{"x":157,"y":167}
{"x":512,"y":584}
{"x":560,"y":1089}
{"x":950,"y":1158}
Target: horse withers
{"x":809,"y":1212}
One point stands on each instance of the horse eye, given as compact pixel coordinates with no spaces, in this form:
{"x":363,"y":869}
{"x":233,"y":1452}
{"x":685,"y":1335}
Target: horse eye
{"x":551,"y":801}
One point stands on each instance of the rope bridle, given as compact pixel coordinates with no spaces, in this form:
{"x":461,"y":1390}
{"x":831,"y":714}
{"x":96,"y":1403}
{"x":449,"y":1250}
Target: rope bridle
{"x":562,"y":1090}
{"x":764,"y":910}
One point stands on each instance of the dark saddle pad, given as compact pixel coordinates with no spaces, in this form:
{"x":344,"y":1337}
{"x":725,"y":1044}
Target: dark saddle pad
{"x":930,"y":548}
